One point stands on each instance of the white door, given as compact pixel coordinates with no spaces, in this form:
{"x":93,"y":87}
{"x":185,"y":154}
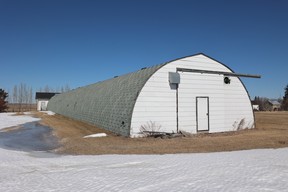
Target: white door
{"x":202,"y":113}
{"x":43,"y":106}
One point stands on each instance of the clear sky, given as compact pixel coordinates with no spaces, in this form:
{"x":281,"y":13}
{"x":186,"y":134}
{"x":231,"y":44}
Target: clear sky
{"x":79,"y":42}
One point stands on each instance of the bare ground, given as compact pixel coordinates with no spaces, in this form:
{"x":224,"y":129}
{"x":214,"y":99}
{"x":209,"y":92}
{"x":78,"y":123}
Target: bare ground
{"x":271,"y":132}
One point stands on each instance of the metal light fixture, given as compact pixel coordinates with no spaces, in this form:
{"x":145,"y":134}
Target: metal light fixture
{"x":227,"y":80}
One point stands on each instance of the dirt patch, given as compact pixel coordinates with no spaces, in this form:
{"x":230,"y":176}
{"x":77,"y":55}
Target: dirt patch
{"x":271,"y":132}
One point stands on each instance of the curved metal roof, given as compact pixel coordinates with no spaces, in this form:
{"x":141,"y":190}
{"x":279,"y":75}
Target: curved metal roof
{"x":108,"y":104}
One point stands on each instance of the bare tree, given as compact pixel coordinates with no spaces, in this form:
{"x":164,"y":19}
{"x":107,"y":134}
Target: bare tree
{"x":20,"y":96}
{"x":9,"y":97}
{"x":30,"y":98}
{"x":61,"y":89}
{"x":15,"y":94}
{"x":67,"y":88}
{"x":57,"y":90}
{"x":25,"y":94}
{"x":46,"y":88}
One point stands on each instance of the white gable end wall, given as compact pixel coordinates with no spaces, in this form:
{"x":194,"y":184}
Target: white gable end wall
{"x":228,"y":104}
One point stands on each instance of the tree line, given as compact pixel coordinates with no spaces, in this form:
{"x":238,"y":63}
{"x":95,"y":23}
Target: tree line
{"x":264,"y":105}
{"x":48,"y":89}
{"x":25,"y":94}
{"x":22,"y":97}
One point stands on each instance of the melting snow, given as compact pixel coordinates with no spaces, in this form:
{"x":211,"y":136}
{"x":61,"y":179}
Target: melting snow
{"x":48,"y":112}
{"x":252,"y":170}
{"x":11,"y":120}
{"x":96,"y":135}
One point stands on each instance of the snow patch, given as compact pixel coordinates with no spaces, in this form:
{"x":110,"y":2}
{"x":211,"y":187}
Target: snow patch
{"x":12,"y":120}
{"x":48,"y":112}
{"x":96,"y":135}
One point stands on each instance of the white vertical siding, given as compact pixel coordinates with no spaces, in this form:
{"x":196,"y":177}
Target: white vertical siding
{"x":156,"y":103}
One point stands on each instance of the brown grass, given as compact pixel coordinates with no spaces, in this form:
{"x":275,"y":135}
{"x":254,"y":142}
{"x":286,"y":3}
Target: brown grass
{"x":15,"y":107}
{"x":271,"y":132}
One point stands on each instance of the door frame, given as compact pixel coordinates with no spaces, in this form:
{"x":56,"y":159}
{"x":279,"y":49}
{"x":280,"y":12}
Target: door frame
{"x":207,"y":112}
{"x":43,"y":105}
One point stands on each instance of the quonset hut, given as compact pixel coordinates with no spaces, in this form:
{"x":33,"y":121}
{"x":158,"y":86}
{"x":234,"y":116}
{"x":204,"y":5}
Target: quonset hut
{"x":192,"y":94}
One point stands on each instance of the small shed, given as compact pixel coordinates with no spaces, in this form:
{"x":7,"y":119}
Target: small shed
{"x":274,"y":105}
{"x":42,"y":99}
{"x":255,"y":107}
{"x":193,"y":94}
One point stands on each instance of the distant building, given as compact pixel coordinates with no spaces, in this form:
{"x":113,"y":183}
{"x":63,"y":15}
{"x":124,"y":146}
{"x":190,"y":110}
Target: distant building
{"x":255,"y":107}
{"x":274,"y":105}
{"x":42,"y":99}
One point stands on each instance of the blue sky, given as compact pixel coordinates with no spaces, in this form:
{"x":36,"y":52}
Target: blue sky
{"x":79,"y":42}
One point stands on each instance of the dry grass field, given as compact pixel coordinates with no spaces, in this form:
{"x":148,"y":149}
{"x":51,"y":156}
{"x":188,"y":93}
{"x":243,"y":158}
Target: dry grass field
{"x":15,"y":107}
{"x":271,"y":132}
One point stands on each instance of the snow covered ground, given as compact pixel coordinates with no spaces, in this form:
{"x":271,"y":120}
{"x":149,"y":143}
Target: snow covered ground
{"x":252,"y":170}
{"x":10,"y":120}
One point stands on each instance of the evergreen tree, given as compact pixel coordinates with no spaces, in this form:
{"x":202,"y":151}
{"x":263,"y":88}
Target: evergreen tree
{"x":285,"y":99}
{"x":3,"y":102}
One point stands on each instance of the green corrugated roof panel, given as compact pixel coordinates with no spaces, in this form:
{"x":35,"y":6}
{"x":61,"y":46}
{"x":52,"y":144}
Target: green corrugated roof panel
{"x":108,"y":104}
